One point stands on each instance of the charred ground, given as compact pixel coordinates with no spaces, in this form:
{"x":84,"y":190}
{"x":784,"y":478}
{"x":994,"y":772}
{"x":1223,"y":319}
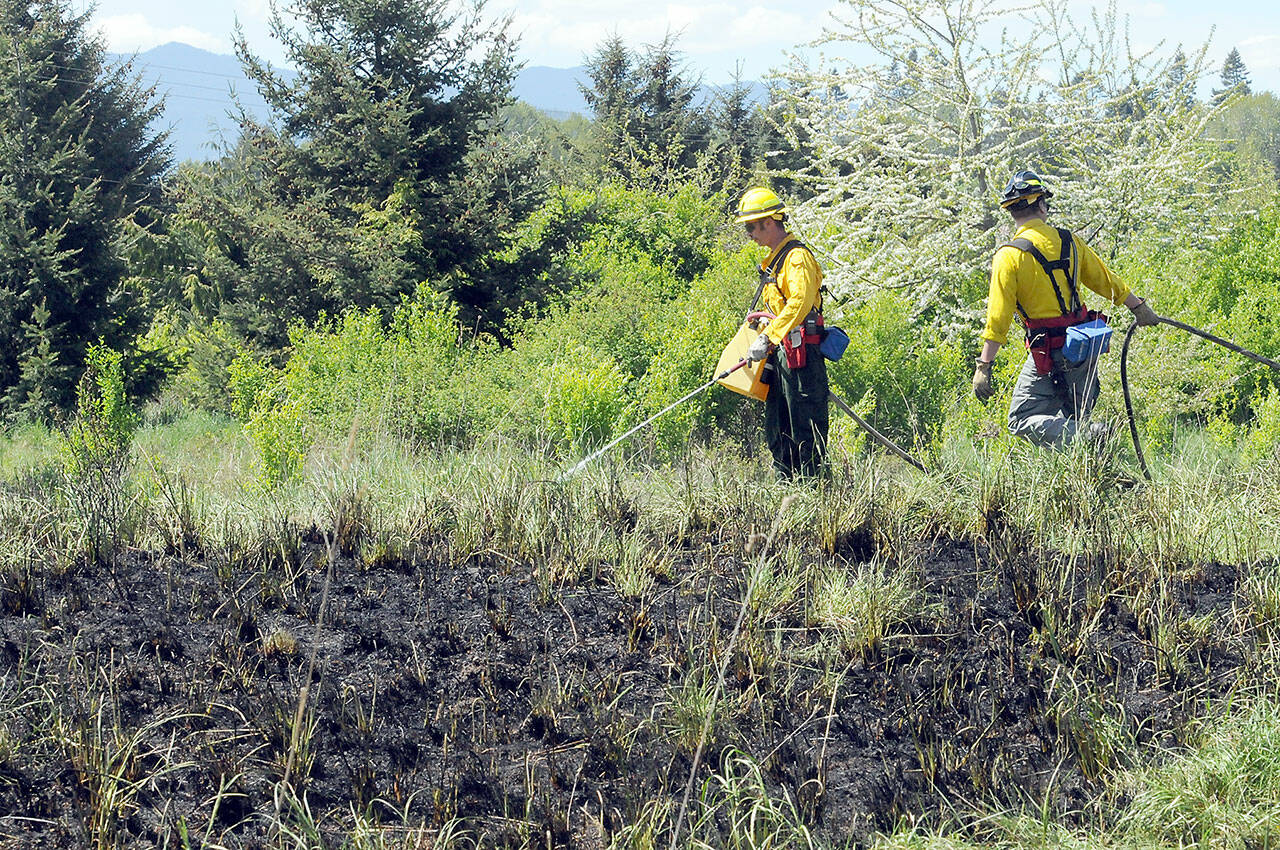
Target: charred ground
{"x":156,"y":696}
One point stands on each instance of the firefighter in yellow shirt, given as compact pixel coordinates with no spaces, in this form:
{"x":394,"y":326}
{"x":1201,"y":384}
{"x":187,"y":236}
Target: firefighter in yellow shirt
{"x":1037,"y":274}
{"x":796,"y":409}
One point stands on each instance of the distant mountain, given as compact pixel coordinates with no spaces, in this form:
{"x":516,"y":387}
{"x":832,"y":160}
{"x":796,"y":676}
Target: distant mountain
{"x":553,"y":90}
{"x":202,"y":89}
{"x":557,"y":92}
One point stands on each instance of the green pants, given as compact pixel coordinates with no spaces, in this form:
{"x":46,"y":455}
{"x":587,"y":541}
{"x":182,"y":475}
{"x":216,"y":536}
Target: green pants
{"x":796,"y":414}
{"x":1051,"y":411}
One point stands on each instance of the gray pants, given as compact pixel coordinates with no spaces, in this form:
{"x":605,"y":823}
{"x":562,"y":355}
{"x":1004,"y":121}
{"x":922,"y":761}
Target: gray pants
{"x":1049,"y":411}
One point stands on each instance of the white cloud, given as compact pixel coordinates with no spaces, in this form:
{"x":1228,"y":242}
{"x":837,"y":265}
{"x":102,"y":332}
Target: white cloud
{"x":714,"y":37}
{"x":1261,"y":52}
{"x":257,"y":10}
{"x":133,"y":32}
{"x":1149,"y":10}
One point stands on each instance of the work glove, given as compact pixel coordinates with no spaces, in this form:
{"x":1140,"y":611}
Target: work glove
{"x":982,"y":381}
{"x":759,"y":349}
{"x":1144,"y":316}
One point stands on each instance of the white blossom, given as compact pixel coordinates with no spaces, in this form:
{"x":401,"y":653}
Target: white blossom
{"x":909,"y":152}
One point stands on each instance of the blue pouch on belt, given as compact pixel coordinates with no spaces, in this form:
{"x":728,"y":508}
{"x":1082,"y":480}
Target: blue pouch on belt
{"x":834,"y":343}
{"x":1086,"y":341}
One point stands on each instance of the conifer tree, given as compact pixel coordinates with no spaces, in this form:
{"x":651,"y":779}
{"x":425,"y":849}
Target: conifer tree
{"x":650,"y":130}
{"x":78,"y":158}
{"x":742,"y":130}
{"x":612,"y":95}
{"x":1177,"y":84}
{"x":383,"y":166}
{"x":1235,"y":78}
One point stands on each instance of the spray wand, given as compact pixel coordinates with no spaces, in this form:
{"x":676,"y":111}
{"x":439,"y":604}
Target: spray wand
{"x":565,"y":476}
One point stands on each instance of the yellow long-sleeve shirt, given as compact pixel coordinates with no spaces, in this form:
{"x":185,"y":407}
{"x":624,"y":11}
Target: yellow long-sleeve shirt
{"x":1018,"y":279}
{"x":797,"y":291}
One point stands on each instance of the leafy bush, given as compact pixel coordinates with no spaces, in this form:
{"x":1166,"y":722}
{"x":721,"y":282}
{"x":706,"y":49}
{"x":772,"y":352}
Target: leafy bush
{"x":273,"y":420}
{"x":252,"y":385}
{"x":586,"y":398}
{"x":1231,"y":290}
{"x":362,"y":373}
{"x":1251,"y":259}
{"x":1263,"y":439}
{"x":578,"y":238}
{"x":652,"y":295}
{"x":914,"y":373}
{"x":201,"y":353}
{"x":103,"y":427}
{"x":96,"y":458}
{"x":279,"y":435}
{"x":664,"y":345}
{"x":686,"y":339}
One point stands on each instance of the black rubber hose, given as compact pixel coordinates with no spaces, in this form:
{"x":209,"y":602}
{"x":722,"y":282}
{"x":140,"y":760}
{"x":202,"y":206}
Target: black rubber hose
{"x":1124,"y":375}
{"x":1128,"y":402}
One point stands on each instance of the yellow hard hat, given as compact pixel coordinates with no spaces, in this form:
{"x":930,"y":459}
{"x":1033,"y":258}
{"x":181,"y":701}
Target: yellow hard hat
{"x":759,"y":203}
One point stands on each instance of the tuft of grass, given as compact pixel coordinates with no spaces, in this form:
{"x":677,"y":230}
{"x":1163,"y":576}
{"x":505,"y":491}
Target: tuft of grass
{"x":690,"y":707}
{"x":639,"y":568}
{"x":280,"y":643}
{"x":115,"y":765}
{"x":736,"y":810}
{"x":1225,"y":792}
{"x":863,"y":605}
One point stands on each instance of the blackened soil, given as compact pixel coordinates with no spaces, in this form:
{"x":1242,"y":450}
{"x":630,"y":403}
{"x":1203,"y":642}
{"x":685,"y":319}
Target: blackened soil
{"x":541,"y":715}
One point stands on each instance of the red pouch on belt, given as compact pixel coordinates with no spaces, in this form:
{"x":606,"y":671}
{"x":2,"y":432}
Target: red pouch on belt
{"x":793,"y":346}
{"x":1043,"y":360}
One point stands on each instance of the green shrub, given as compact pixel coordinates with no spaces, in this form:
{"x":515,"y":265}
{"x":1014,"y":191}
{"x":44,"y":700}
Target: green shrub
{"x":361,"y":373}
{"x":586,"y":398}
{"x":685,"y":339}
{"x":1231,"y":290}
{"x":96,"y":458}
{"x":273,"y":420}
{"x":252,"y":384}
{"x":914,"y":373}
{"x":280,"y":437}
{"x":206,"y":352}
{"x":635,"y":310}
{"x":1263,"y":438}
{"x":101,"y":432}
{"x":571,"y":244}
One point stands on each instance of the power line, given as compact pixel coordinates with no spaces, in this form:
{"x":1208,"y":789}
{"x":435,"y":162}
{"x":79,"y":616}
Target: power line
{"x":164,"y":85}
{"x":149,"y":65}
{"x":140,"y":76}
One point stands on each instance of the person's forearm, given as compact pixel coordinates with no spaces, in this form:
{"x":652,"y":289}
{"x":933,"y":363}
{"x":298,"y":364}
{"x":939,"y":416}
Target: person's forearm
{"x":989,"y":349}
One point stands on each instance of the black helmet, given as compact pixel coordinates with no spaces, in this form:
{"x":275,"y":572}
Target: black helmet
{"x":1024,"y":187}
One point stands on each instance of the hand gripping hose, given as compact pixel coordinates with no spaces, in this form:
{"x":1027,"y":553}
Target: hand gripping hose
{"x":1124,"y":375}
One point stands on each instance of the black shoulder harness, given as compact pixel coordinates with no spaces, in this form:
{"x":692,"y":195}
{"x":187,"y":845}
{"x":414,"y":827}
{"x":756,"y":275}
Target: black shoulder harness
{"x":781,"y":257}
{"x":769,"y":273}
{"x":1063,"y":264}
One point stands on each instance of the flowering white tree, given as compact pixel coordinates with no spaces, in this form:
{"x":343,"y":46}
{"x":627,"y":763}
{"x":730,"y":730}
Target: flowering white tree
{"x":908,"y":153}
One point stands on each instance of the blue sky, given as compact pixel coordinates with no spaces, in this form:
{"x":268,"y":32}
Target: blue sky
{"x":716,"y":36}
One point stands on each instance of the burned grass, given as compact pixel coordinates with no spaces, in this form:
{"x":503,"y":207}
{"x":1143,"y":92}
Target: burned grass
{"x":226,"y":700}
